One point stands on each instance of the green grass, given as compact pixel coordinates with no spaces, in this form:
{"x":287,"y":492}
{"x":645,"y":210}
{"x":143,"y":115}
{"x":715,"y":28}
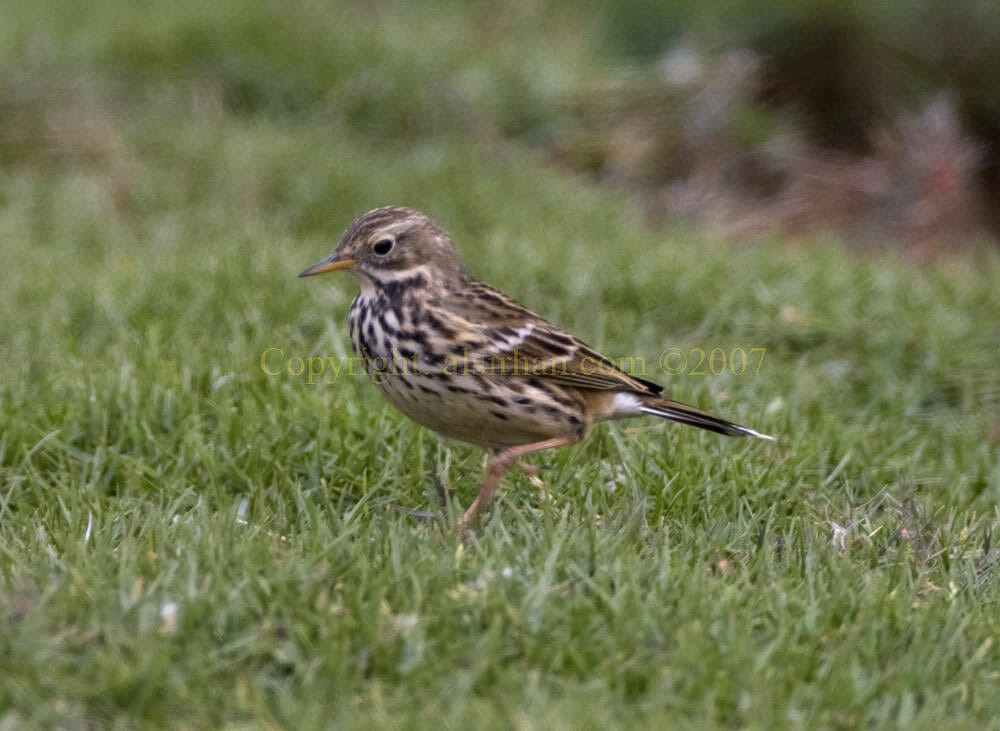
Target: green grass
{"x":188,"y":541}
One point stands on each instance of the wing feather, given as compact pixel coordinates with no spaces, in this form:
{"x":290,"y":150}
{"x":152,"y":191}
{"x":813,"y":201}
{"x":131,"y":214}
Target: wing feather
{"x":504,"y":338}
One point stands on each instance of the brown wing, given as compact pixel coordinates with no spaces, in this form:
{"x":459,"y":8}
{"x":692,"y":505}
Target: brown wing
{"x":504,"y":338}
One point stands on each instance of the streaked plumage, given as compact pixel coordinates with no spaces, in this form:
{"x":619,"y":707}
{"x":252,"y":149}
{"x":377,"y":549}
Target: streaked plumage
{"x":470,"y":363}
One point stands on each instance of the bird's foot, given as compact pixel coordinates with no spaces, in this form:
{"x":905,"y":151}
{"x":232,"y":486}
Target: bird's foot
{"x":532,"y":471}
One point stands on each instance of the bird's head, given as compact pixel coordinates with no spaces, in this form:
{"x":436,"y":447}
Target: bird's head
{"x":392,"y":244}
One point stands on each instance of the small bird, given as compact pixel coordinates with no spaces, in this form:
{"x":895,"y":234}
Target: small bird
{"x":471,"y":364}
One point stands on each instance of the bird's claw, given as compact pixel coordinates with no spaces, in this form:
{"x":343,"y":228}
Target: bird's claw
{"x":532,"y":472}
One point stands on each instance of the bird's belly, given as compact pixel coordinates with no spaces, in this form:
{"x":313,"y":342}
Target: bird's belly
{"x":481,"y":411}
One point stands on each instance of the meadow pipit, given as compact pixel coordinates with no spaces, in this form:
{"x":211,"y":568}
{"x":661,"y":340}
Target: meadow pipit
{"x":468,"y":362}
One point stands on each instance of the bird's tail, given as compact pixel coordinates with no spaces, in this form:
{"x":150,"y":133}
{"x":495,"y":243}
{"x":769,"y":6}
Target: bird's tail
{"x":684,"y":414}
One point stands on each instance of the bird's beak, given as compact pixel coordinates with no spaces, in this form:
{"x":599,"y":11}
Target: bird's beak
{"x":332,"y":264}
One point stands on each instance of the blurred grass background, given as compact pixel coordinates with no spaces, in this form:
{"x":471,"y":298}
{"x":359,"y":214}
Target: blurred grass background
{"x":187,"y":540}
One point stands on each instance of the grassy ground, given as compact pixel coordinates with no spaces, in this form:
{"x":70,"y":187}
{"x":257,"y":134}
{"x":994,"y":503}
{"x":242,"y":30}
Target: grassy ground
{"x":188,"y":540}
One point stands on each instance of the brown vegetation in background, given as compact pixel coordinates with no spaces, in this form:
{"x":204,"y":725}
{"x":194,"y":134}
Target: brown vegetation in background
{"x":714,"y":142}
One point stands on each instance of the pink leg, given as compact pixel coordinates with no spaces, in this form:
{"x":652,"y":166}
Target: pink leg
{"x":498,"y":467}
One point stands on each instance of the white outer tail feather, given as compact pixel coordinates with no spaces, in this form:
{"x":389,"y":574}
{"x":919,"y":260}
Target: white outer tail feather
{"x":702,"y":420}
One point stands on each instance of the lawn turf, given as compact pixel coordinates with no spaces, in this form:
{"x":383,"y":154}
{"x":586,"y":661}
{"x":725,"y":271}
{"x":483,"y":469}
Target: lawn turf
{"x":188,"y":539}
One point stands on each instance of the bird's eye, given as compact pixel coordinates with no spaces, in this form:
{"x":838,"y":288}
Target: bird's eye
{"x":383,"y":246}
